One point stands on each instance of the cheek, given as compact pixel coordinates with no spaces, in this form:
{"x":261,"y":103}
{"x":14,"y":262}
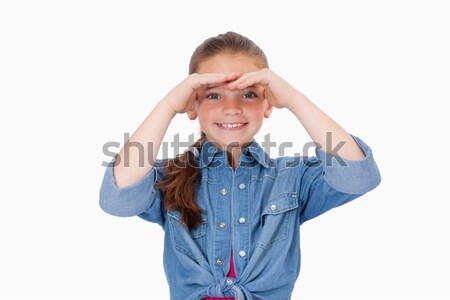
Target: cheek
{"x":258,"y":109}
{"x":200,"y":109}
{"x":204,"y":114}
{"x":203,"y":111}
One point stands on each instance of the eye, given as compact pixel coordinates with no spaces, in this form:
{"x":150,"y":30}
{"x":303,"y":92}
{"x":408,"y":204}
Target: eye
{"x":213,"y":96}
{"x":250,"y":95}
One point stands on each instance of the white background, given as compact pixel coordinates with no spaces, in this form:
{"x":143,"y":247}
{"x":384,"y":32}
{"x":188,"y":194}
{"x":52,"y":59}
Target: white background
{"x":75,"y":75}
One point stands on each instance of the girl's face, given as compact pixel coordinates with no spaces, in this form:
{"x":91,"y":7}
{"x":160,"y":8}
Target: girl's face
{"x":231,"y":118}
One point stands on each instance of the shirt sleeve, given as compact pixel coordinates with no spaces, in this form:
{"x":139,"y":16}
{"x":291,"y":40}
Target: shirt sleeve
{"x":139,"y":199}
{"x":328,"y":181}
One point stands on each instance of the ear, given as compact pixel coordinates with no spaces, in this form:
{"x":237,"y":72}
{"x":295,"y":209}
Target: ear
{"x":268,"y":110}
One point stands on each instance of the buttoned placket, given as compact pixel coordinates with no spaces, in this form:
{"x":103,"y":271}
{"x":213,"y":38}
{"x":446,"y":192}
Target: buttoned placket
{"x":232,"y":205}
{"x":222,"y":240}
{"x":240,"y":210}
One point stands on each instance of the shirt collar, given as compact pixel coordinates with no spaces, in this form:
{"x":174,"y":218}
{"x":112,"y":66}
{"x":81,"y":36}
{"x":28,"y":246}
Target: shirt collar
{"x":210,"y":153}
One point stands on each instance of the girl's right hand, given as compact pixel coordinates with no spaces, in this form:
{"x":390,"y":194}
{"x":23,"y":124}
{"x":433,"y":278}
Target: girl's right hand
{"x":182,"y":97}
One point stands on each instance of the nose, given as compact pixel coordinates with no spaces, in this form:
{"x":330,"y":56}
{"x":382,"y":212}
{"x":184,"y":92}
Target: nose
{"x":232,"y":106}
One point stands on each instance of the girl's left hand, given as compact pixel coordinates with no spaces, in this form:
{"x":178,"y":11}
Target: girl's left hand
{"x":277,"y":91}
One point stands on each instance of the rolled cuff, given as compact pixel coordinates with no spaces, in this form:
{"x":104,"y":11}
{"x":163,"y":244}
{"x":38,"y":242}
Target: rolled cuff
{"x":350,"y":176}
{"x":130,"y":200}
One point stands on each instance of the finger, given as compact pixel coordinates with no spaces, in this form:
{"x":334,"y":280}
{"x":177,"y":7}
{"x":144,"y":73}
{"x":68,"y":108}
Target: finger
{"x":212,"y":80}
{"x":246,"y":80}
{"x":233,"y":83}
{"x":257,"y":78}
{"x":233,"y":76}
{"x":221,"y":81}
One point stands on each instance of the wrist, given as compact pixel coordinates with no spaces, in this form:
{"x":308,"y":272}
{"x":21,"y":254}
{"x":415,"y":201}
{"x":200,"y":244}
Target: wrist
{"x":165,"y":106}
{"x":295,"y":101}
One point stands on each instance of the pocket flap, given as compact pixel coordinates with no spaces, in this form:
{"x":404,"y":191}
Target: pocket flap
{"x":281,"y":203}
{"x":174,"y":214}
{"x":199,"y":231}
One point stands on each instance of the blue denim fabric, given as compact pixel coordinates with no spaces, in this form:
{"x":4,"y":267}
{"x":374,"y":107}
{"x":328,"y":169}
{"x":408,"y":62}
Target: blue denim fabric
{"x":255,"y":211}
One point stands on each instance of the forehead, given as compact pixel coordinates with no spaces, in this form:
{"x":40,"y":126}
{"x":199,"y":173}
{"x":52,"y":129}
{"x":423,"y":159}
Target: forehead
{"x":228,"y":63}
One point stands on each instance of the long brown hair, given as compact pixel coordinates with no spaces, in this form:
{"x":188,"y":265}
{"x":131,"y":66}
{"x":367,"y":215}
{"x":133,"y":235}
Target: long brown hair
{"x":182,"y":172}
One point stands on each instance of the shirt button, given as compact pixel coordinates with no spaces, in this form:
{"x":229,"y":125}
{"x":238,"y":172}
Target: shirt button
{"x":242,"y":253}
{"x":273,"y":207}
{"x":242,"y":186}
{"x":219,"y":262}
{"x":242,"y":220}
{"x":229,"y":281}
{"x":222,"y":225}
{"x":223,"y":191}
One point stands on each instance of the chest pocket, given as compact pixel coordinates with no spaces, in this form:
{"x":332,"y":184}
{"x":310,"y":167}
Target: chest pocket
{"x":276,"y":219}
{"x":191,"y":243}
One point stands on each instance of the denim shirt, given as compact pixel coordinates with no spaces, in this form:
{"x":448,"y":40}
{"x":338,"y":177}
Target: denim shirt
{"x":254,"y":211}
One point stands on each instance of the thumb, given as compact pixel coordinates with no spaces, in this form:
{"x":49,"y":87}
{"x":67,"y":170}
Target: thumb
{"x":192,"y":114}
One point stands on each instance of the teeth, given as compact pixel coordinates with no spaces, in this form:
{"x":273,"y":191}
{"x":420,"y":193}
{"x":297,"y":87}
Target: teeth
{"x":231,"y":125}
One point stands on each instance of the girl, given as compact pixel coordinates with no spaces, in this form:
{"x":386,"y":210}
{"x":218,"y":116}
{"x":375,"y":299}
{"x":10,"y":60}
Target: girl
{"x":230,"y":213}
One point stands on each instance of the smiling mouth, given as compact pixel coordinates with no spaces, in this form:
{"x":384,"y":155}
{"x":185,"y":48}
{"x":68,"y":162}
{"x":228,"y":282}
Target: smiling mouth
{"x":231,"y":125}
